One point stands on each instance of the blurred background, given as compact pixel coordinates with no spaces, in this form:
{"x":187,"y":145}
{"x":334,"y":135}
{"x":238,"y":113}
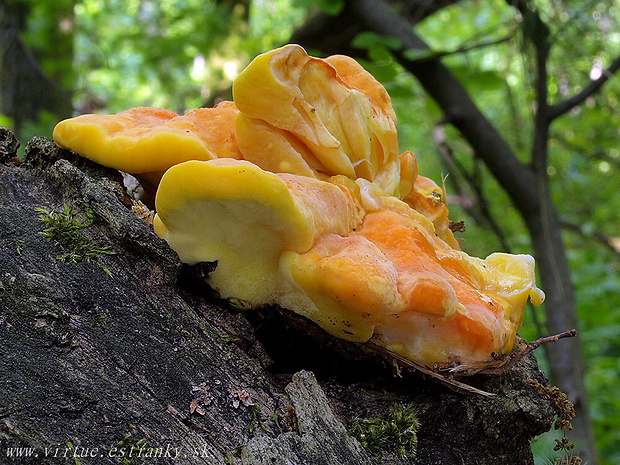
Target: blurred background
{"x":535,"y":78}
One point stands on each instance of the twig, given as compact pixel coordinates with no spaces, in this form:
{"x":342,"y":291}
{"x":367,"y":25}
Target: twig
{"x":563,"y":107}
{"x":495,"y":367}
{"x":436,"y":55}
{"x":517,"y":357}
{"x":596,"y":236}
{"x":453,"y":384}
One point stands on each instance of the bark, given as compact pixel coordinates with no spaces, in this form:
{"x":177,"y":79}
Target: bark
{"x":526,"y":185}
{"x":123,"y":353}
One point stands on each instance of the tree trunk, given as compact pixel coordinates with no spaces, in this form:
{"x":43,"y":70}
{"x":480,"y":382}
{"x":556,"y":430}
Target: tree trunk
{"x":119,"y":357}
{"x":566,"y":366}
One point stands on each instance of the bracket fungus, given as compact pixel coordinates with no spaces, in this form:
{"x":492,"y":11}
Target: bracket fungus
{"x":309,"y":118}
{"x":146,"y":141}
{"x":298,"y":191}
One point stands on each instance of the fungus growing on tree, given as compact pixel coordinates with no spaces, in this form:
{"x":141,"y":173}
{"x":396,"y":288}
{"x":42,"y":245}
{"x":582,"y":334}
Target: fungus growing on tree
{"x":304,"y":202}
{"x":358,"y":262}
{"x":309,"y":118}
{"x":146,"y":141}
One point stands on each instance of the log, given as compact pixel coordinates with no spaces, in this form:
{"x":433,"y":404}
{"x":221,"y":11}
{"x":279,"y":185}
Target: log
{"x":114,"y":354}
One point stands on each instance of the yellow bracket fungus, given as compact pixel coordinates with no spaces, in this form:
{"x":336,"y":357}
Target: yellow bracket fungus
{"x":146,"y":141}
{"x":358,"y":262}
{"x":298,"y":192}
{"x":311,"y":119}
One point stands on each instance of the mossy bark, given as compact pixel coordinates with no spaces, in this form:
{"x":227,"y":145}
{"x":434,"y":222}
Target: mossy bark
{"x":119,"y":356}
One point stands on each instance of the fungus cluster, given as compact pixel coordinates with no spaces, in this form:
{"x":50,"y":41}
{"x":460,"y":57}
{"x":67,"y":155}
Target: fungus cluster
{"x":298,"y":191}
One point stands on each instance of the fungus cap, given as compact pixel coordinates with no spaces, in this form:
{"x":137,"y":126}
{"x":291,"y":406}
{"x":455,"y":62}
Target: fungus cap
{"x":356,"y":261}
{"x":322,"y":122}
{"x":144,"y":139}
{"x":245,"y":218}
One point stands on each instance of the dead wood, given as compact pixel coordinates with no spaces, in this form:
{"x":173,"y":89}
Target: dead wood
{"x":114,"y":356}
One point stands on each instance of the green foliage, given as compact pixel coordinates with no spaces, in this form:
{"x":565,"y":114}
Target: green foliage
{"x":393,"y":432}
{"x":598,"y":290}
{"x":64,"y":228}
{"x":49,"y":36}
{"x":331,"y":7}
{"x":151,"y":46}
{"x":371,"y":40}
{"x":115,"y":54}
{"x":171,"y":54}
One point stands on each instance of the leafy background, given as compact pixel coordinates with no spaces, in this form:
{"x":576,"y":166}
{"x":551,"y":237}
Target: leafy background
{"x":181,"y":54}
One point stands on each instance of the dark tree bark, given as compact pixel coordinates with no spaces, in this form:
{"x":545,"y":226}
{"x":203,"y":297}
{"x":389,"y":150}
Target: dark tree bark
{"x":527,"y":185}
{"x":122,"y":353}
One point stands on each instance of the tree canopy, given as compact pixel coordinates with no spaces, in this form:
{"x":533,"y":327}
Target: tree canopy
{"x":538,"y":75}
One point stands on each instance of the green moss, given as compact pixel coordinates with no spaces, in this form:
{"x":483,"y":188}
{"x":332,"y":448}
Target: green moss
{"x":99,"y":320}
{"x":227,"y":338}
{"x":393,"y":432}
{"x":234,"y":454}
{"x":130,"y":451}
{"x":71,"y":447}
{"x":64,"y":228}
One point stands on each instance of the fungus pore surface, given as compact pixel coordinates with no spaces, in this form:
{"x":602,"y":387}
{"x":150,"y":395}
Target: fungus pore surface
{"x":298,"y":191}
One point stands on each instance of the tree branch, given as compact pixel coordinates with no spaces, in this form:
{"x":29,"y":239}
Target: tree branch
{"x":333,"y":34}
{"x":597,"y":236}
{"x":480,"y":209}
{"x":587,"y":151}
{"x":565,"y":106}
{"x":516,"y":357}
{"x":434,"y":55}
{"x":540,"y":147}
{"x":416,"y":10}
